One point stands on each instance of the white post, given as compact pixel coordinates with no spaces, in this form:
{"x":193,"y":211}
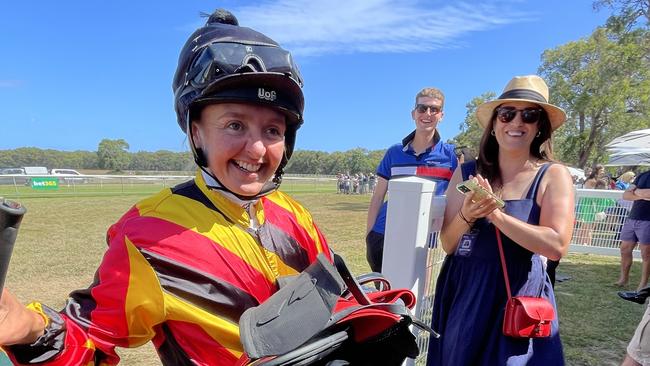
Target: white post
{"x":408,"y":231}
{"x":413,"y":221}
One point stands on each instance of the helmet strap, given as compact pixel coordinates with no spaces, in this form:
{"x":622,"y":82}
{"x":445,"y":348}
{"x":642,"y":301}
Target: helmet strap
{"x":197,"y":152}
{"x":269,"y":187}
{"x":277,"y":178}
{"x":199,"y":157}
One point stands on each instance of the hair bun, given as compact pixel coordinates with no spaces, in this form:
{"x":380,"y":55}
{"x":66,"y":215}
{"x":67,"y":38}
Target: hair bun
{"x":222,"y":16}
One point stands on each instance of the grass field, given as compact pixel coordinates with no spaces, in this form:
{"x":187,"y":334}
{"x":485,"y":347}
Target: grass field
{"x":61,"y":241}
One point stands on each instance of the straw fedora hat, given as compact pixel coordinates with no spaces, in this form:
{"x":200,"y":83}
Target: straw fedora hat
{"x":529,"y":88}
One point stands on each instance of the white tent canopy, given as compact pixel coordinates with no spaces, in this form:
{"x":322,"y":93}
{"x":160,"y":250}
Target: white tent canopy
{"x":576,"y":172}
{"x":633,"y":148}
{"x":632,"y":140}
{"x":631,"y":158}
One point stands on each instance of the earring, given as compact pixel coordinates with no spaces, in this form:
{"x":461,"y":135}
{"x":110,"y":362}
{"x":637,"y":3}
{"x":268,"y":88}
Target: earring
{"x":539,"y":133}
{"x":493,"y":133}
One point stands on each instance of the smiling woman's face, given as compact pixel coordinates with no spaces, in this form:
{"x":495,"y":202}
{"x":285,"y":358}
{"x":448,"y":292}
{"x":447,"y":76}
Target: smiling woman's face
{"x":515,"y":134}
{"x":243,"y":143}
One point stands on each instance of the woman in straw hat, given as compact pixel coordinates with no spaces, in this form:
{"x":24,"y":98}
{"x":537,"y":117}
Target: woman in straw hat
{"x":515,"y":163}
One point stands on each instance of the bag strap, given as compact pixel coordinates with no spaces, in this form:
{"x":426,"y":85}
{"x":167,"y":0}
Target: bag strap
{"x":395,"y":309}
{"x":365,"y":302}
{"x":350,"y":282}
{"x":376,"y":278}
{"x":503,"y":263}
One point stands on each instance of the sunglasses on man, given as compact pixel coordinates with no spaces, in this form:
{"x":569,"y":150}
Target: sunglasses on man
{"x":423,"y":108}
{"x":528,"y":115}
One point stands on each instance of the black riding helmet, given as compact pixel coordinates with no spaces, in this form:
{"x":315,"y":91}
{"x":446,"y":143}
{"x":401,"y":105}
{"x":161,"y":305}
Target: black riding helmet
{"x":223,"y":62}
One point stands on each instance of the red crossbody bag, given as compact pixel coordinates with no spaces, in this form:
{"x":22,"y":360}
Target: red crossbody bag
{"x":525,"y":316}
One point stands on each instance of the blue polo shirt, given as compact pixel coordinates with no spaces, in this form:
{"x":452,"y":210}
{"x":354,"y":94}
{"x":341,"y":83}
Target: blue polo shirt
{"x":437,"y":163}
{"x":641,"y":208}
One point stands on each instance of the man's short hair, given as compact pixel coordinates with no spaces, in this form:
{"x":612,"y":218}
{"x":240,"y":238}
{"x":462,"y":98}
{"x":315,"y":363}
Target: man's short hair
{"x":432,"y":93}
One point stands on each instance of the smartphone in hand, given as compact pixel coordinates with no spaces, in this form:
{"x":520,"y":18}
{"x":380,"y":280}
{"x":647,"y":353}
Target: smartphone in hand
{"x":479,"y":191}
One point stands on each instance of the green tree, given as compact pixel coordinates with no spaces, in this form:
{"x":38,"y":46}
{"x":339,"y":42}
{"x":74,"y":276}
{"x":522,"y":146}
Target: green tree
{"x":358,"y":162}
{"x":603,"y":83}
{"x":353,"y":161}
{"x":470,"y":131}
{"x":113,"y":154}
{"x":306,"y":162}
{"x":628,"y":13}
{"x":31,"y":156}
{"x":336,"y":163}
{"x":375,"y":157}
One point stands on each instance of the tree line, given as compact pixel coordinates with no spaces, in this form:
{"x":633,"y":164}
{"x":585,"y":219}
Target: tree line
{"x":104,"y":159}
{"x":113,"y":155}
{"x":352,"y":161}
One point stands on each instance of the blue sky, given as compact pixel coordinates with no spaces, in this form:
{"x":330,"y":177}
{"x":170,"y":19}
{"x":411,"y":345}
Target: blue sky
{"x":75,"y":72}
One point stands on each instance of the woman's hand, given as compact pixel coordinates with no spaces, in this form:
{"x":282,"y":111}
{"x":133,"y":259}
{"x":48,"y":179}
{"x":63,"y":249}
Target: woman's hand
{"x":474,"y":209}
{"x":18,"y":325}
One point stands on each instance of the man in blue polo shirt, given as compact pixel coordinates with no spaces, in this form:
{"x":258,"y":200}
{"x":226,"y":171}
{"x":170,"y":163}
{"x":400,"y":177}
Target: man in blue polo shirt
{"x":421,"y":154}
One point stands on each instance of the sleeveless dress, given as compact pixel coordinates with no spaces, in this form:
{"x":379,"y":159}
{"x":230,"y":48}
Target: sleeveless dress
{"x":470,"y":296}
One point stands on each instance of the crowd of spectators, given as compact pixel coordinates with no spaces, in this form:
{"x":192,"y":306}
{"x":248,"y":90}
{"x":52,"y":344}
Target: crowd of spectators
{"x":359,"y":183}
{"x":612,"y":181}
{"x":599,"y":214}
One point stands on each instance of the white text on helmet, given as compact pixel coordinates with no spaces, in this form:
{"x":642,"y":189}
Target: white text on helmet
{"x":268,"y":95}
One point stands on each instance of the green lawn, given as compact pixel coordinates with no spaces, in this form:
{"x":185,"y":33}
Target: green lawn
{"x":62,"y":238}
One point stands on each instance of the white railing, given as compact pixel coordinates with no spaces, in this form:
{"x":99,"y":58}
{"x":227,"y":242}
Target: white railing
{"x":22,"y":185}
{"x":25,"y":185}
{"x":600,"y":215}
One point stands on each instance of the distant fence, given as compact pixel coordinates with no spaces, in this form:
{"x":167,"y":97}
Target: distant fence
{"x":22,"y":186}
{"x":600,"y":215}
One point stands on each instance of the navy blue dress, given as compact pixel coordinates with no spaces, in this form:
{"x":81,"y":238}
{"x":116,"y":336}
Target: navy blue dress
{"x":471,"y":295}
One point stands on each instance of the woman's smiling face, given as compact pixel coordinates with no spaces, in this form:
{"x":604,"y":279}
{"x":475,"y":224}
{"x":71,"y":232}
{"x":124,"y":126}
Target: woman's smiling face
{"x":515,"y":134}
{"x":243,"y":144}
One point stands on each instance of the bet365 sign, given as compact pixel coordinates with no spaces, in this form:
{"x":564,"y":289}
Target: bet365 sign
{"x":44,"y":183}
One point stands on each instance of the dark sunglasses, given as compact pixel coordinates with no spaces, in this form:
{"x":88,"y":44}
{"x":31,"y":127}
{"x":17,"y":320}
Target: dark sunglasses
{"x":422,"y":108}
{"x":528,"y":115}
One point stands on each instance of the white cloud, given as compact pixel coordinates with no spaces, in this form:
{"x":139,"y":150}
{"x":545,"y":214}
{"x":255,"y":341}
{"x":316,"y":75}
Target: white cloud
{"x":313,"y":27}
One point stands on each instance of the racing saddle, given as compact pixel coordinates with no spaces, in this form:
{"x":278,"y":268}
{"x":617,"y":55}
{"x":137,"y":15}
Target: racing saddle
{"x":324,"y":317}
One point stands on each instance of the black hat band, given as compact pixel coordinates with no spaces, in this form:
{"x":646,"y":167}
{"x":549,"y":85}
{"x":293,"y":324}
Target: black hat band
{"x":526,"y":94}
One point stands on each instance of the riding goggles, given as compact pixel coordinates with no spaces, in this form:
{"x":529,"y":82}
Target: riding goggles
{"x":221,"y":59}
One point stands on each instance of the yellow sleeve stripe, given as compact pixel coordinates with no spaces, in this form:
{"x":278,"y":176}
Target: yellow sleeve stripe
{"x":144,"y":301}
{"x":226,"y":332}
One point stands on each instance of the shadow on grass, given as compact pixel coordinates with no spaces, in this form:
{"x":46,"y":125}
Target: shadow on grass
{"x":348,"y":206}
{"x":595,"y":323}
